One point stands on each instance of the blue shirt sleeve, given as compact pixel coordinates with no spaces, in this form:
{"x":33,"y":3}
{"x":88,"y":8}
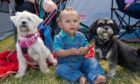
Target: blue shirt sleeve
{"x":85,"y":41}
{"x":57,"y":43}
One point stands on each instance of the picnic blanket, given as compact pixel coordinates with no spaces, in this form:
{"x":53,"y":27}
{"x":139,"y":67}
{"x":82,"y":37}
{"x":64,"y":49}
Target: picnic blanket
{"x":9,"y":62}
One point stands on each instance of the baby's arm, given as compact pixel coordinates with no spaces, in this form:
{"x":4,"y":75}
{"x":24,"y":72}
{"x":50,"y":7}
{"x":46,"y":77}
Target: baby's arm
{"x":85,"y":46}
{"x":63,"y":53}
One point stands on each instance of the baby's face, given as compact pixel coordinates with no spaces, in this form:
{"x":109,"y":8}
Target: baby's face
{"x":70,"y":23}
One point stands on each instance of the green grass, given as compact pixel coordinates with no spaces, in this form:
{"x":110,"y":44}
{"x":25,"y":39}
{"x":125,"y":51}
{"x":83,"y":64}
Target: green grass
{"x":33,"y":76}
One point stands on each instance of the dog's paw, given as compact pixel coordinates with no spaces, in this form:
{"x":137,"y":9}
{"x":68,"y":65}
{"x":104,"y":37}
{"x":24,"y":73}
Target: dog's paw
{"x":54,"y":62}
{"x":19,"y":75}
{"x":46,"y":71}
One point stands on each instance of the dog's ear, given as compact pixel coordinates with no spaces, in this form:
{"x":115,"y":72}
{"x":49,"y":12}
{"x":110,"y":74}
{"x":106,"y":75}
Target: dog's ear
{"x":15,"y":17}
{"x":115,"y":27}
{"x":37,"y":19}
{"x":93,"y":28}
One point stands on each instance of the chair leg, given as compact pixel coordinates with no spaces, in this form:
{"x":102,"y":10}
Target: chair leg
{"x":15,"y":34}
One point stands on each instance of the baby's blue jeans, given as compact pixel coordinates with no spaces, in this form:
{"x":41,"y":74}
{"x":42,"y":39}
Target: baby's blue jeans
{"x":89,"y":68}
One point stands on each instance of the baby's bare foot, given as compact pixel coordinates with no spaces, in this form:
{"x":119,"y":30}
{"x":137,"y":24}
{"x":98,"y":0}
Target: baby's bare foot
{"x":82,"y":80}
{"x":100,"y":79}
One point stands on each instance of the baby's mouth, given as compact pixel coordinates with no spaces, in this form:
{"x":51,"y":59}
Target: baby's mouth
{"x":72,"y":28}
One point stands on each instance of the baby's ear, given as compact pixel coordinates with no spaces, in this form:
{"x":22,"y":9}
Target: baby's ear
{"x":60,"y":24}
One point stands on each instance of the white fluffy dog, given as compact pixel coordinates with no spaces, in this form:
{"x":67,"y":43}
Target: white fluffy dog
{"x":30,"y":47}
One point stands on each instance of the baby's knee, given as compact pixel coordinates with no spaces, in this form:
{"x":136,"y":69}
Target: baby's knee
{"x":61,"y":69}
{"x":91,"y":62}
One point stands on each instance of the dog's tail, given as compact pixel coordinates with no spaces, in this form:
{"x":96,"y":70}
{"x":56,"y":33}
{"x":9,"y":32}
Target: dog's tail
{"x":138,"y":51}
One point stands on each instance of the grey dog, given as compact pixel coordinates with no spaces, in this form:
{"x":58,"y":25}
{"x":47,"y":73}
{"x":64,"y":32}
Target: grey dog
{"x":109,"y":47}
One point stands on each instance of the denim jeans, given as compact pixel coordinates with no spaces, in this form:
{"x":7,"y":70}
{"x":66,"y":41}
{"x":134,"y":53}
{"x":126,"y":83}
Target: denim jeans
{"x":89,"y":68}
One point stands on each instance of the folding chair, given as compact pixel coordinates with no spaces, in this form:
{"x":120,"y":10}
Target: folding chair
{"x":6,"y":10}
{"x":128,"y":20}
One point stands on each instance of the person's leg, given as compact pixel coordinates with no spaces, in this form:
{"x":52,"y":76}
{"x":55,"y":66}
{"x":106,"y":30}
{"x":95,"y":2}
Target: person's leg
{"x":68,"y":73}
{"x":134,"y":7}
{"x":93,"y":71}
{"x":15,"y":34}
{"x":134,"y":10}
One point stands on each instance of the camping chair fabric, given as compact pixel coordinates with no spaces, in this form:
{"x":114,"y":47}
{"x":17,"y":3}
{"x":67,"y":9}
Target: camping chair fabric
{"x":129,"y":21}
{"x":7,"y":27}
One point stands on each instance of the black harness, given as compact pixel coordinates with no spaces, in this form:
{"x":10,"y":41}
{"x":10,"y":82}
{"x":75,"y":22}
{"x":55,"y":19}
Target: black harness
{"x":24,"y":50}
{"x":103,"y":45}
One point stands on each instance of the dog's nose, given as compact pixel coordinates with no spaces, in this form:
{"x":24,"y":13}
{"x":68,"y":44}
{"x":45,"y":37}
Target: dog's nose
{"x":23,"y":22}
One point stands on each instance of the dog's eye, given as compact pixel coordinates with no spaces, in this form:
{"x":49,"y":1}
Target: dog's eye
{"x":101,"y":24}
{"x":110,"y":24}
{"x":29,"y":19}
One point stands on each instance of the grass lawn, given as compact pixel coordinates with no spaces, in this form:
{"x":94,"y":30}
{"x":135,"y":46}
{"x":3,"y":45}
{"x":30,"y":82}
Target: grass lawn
{"x":123,"y":76}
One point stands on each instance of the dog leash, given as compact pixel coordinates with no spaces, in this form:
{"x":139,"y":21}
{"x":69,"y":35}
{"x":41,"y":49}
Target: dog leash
{"x":45,"y":30}
{"x":47,"y":20}
{"x":36,"y":6}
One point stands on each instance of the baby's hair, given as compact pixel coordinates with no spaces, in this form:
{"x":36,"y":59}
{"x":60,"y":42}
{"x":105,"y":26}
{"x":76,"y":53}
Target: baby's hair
{"x":69,"y":9}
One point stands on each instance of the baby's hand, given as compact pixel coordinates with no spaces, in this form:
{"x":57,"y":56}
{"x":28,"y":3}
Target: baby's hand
{"x":82,"y":50}
{"x":74,"y":51}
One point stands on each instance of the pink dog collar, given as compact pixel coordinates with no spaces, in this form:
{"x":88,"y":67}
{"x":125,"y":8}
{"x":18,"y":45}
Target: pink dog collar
{"x":29,"y":41}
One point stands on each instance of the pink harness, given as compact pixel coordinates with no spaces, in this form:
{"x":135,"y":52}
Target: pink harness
{"x":29,"y":41}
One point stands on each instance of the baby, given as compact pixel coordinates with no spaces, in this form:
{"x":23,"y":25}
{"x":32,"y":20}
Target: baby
{"x":70,"y":46}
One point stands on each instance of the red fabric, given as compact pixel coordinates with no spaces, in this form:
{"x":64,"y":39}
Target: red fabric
{"x":9,"y":63}
{"x":90,"y":53}
{"x":28,"y":58}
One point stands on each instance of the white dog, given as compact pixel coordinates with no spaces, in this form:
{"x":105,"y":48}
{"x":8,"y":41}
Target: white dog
{"x":30,"y":47}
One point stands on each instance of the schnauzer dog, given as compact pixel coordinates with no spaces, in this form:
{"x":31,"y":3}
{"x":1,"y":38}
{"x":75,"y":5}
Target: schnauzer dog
{"x":109,"y":47}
